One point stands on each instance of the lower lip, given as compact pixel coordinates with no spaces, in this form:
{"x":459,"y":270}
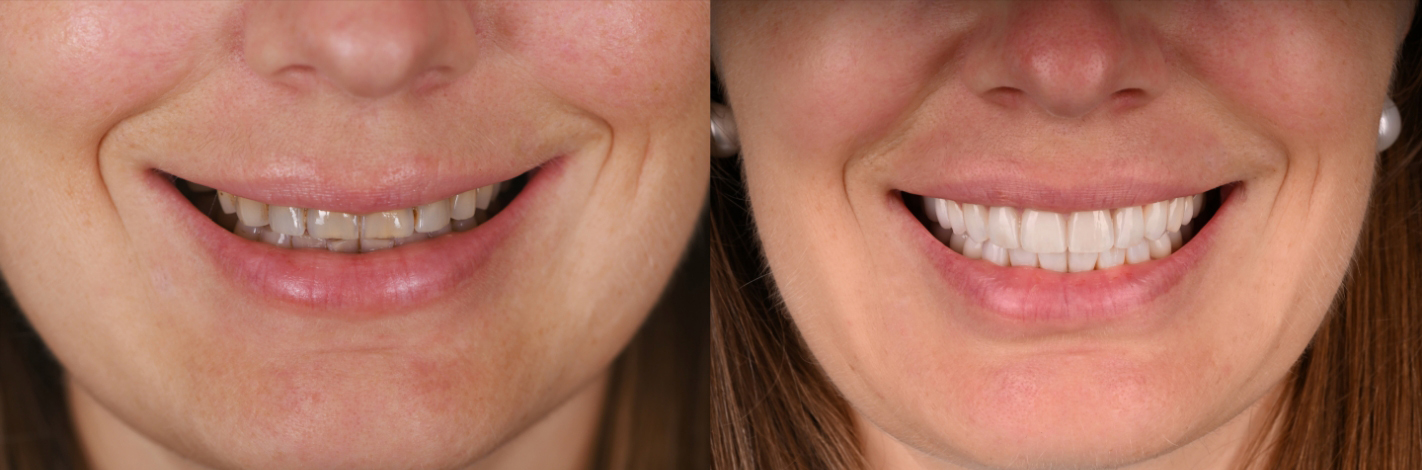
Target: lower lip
{"x":1032,"y":301}
{"x":376,"y":284}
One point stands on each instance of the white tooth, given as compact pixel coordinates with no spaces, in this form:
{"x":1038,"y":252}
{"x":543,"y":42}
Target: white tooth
{"x":332,"y":226}
{"x":417,"y":236}
{"x":432,"y":216}
{"x":276,"y":238}
{"x":1138,"y":253}
{"x":1053,"y":261}
{"x":1159,"y":247}
{"x":197,"y":188}
{"x":940,"y":213}
{"x":1089,"y":232}
{"x":957,"y":241}
{"x":972,"y":249}
{"x":375,"y":244}
{"x":1176,"y":240}
{"x":1155,"y":214}
{"x":388,"y":224}
{"x":1176,"y":214}
{"x":463,"y":205}
{"x":930,"y":209}
{"x":975,"y":218}
{"x":1130,"y":226}
{"x":1189,"y":211}
{"x":1199,"y":203}
{"x":1004,"y":225}
{"x":1043,"y":232}
{"x":486,"y":195}
{"x":288,"y":220}
{"x":228,"y":202}
{"x":252,"y":213}
{"x":463,"y":225}
{"x":994,"y":254}
{"x":955,"y":217}
{"x":1078,"y":262}
{"x":1022,"y":258}
{"x":1111,"y":258}
{"x":247,"y":231}
{"x":343,"y":246}
{"x":308,"y":242}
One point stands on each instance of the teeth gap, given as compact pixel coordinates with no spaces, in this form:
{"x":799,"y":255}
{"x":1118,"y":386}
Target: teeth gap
{"x":206,"y":201}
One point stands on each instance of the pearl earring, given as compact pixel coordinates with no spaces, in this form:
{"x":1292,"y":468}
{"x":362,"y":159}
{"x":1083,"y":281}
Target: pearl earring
{"x":1389,"y":126}
{"x":724,"y":141}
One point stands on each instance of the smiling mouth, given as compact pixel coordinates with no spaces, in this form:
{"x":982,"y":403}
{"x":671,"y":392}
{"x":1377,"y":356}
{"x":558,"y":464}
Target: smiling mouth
{"x":341,"y":232}
{"x":1067,"y":242}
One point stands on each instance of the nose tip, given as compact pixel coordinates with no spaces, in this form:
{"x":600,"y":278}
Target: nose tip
{"x":367,"y":49}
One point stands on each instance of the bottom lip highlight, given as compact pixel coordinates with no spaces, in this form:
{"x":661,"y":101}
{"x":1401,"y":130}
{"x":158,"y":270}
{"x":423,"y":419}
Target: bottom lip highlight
{"x":323,"y":283}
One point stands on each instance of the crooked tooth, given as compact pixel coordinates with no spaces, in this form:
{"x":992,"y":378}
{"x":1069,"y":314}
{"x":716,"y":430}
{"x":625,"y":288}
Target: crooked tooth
{"x":1138,"y":253}
{"x":994,"y":254}
{"x":287,"y":220}
{"x":1111,"y":258}
{"x":1022,"y":258}
{"x":1004,"y":225}
{"x":228,"y":202}
{"x":1078,"y":262}
{"x":252,"y":213}
{"x":1159,"y":247}
{"x":463,"y":205}
{"x":1053,"y":261}
{"x":973,"y":249}
{"x":276,"y":238}
{"x":1043,"y":232}
{"x":1130,"y":226}
{"x":431,"y":217}
{"x":957,"y":241}
{"x":388,"y":224}
{"x":332,"y":226}
{"x":1155,"y":214}
{"x":376,"y":244}
{"x":1090,"y":232}
{"x":485,"y":195}
{"x":975,"y":220}
{"x":955,"y":217}
{"x":1174,"y":218}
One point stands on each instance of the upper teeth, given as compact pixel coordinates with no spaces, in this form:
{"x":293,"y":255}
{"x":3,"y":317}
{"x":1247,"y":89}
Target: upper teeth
{"x":339,"y":231}
{"x":1078,"y":241}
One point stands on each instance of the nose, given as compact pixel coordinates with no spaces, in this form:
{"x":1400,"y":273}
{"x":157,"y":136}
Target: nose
{"x":1068,"y":59}
{"x":364,"y":48}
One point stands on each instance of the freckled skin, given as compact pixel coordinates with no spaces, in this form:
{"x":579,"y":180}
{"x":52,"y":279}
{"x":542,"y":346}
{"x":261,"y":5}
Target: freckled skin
{"x":171,"y":366}
{"x":838,"y":104}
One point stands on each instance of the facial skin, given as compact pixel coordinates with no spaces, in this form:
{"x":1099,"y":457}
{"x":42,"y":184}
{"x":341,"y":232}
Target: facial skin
{"x":841,"y":105}
{"x":172,"y":364}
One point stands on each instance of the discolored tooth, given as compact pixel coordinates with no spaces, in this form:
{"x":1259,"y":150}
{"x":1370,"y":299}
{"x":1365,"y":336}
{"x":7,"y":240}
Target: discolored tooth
{"x":332,"y":225}
{"x":485,"y":195}
{"x":1138,"y":253}
{"x":1022,"y":258}
{"x":1159,"y":247}
{"x":1053,"y":261}
{"x":343,"y":246}
{"x":955,"y":217}
{"x":431,"y":217}
{"x":308,"y":242}
{"x":994,"y":254}
{"x":957,"y":241}
{"x":1176,"y":240}
{"x":1130,"y":226}
{"x":1155,"y":214}
{"x":227,"y":201}
{"x":252,"y":213}
{"x":417,"y":236}
{"x":1176,"y":215}
{"x":1198,"y":202}
{"x":1111,"y":258}
{"x":1090,"y":232}
{"x":1004,"y":225}
{"x":197,"y":188}
{"x":1078,"y":262}
{"x":464,"y":225}
{"x":1043,"y":232}
{"x":376,"y":244}
{"x":388,"y":224}
{"x":973,"y":249}
{"x":288,"y":220}
{"x":247,"y":231}
{"x":463,"y":205}
{"x":975,"y":221}
{"x":276,"y":238}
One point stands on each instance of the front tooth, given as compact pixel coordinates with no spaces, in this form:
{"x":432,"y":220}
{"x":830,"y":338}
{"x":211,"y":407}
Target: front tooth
{"x":389,"y":224}
{"x":431,"y":217}
{"x":276,"y":238}
{"x":1159,"y":247}
{"x":228,"y":202}
{"x":332,"y":226}
{"x":1155,"y":214}
{"x":973,"y":249}
{"x":1111,"y":258}
{"x":252,"y":213}
{"x":1176,"y":240}
{"x":288,"y":220}
{"x":1004,"y":225}
{"x":1043,"y":232}
{"x":1022,"y":258}
{"x":955,"y":217}
{"x":994,"y":254}
{"x":308,"y":242}
{"x":376,"y":244}
{"x":485,"y":195}
{"x":1130,"y":226}
{"x":343,"y":246}
{"x":1078,"y":262}
{"x":1090,"y":232}
{"x":1138,"y":253}
{"x":1053,"y":261}
{"x":957,"y":241}
{"x":1176,"y":215}
{"x":463,"y":205}
{"x":975,"y":218}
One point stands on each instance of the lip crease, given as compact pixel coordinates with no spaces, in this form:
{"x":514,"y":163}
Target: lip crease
{"x":376,"y":284}
{"x":1022,"y":302}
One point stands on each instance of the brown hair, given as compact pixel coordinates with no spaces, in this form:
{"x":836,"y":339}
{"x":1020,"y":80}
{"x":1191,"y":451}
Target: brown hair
{"x":656,"y":414}
{"x":1355,"y":396}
